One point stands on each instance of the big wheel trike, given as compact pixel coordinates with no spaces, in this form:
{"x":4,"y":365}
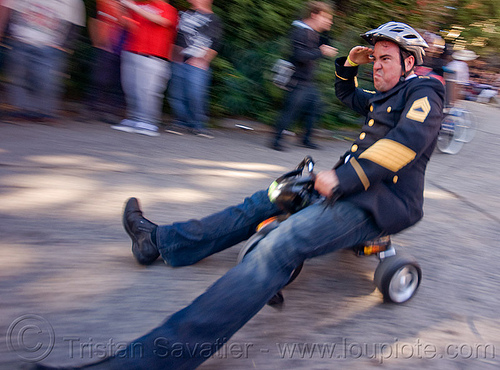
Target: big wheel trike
{"x":397,"y":276}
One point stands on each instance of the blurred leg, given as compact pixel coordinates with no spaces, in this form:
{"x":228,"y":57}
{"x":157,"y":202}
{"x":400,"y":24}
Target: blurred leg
{"x":177,"y":93}
{"x":185,"y":243}
{"x":294,"y":103}
{"x":312,"y":111}
{"x":51,"y":91}
{"x":129,"y":68}
{"x":197,"y":81}
{"x":19,"y":62}
{"x":152,"y":78}
{"x":196,"y":332}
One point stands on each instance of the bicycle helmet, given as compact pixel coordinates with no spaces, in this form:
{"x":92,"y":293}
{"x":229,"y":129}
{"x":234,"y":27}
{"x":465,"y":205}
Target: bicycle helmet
{"x":403,"y":35}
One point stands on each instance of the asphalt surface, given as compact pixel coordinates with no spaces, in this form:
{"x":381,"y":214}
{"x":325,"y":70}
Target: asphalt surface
{"x":71,"y":292}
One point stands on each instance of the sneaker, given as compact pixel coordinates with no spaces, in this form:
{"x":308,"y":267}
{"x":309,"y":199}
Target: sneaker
{"x":148,"y":129}
{"x":139,"y":229}
{"x":126,"y":126}
{"x":177,"y":129}
{"x":147,"y":132}
{"x":203,"y":133}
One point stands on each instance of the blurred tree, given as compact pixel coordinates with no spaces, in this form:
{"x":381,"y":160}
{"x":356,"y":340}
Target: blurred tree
{"x":475,"y":25}
{"x":255,"y":35}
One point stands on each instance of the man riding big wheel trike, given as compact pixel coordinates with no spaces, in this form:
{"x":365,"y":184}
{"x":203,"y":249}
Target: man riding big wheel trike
{"x":397,"y":276}
{"x":382,"y":174}
{"x":375,"y":190}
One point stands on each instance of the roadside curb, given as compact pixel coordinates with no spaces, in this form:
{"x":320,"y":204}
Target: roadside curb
{"x":249,"y":125}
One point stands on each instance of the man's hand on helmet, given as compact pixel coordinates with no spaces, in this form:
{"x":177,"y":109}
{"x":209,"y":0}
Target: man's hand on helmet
{"x":359,"y":55}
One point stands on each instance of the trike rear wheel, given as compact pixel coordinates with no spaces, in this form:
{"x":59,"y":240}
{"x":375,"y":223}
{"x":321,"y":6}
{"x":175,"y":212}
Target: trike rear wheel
{"x":398,"y":278}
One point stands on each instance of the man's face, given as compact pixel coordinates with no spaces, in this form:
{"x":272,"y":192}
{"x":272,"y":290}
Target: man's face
{"x":386,"y":65}
{"x":323,"y":20}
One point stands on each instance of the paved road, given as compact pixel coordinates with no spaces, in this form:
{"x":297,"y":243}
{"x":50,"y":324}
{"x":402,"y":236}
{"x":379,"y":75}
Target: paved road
{"x":66,"y":268}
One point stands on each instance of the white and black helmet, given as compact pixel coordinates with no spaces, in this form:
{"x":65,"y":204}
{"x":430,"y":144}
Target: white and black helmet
{"x":403,"y":35}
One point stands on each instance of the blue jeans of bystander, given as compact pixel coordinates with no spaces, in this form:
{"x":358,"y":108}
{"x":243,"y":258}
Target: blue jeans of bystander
{"x":188,"y":95}
{"x":30,"y":69}
{"x":56,"y":89}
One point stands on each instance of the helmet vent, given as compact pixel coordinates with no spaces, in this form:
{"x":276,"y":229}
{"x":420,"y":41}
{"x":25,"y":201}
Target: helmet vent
{"x":401,"y":34}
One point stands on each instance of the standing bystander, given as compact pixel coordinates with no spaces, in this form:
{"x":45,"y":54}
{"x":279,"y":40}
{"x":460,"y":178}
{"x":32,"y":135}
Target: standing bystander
{"x":105,"y":99}
{"x":145,"y":71}
{"x":41,"y":31}
{"x":198,"y":42}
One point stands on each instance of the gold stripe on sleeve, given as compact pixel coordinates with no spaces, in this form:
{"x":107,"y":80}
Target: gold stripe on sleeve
{"x":342,"y":78}
{"x":389,"y":154}
{"x":361,"y":174}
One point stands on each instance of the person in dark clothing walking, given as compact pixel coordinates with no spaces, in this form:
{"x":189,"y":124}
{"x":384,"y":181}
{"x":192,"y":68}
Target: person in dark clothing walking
{"x":303,"y":99}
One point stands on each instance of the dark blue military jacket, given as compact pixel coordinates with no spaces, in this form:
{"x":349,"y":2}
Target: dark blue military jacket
{"x":384,"y":170}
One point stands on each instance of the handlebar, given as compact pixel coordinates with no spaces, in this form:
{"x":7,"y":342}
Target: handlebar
{"x":306,"y":162}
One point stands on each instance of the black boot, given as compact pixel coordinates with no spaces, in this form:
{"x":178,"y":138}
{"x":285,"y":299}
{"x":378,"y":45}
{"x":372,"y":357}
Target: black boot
{"x":275,"y":142}
{"x":276,"y":146}
{"x":306,"y":143}
{"x":139,"y":229}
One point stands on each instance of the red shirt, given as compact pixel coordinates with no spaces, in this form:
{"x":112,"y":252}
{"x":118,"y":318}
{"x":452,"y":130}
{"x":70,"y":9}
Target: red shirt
{"x":107,"y":31}
{"x":150,"y":38}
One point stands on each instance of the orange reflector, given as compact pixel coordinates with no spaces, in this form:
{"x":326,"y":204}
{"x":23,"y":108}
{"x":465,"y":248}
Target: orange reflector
{"x":266,"y":222}
{"x":374,"y":248}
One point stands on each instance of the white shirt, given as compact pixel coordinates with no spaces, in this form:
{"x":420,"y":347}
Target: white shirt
{"x":461,"y":70}
{"x":40,"y":22}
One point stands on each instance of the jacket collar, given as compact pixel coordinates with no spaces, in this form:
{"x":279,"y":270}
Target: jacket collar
{"x":395,"y":89}
{"x":301,"y":24}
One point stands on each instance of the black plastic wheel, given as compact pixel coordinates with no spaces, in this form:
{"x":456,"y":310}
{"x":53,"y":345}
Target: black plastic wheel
{"x":398,"y":278}
{"x":249,"y":246}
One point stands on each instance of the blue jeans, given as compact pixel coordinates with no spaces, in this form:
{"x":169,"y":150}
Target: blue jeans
{"x":31,"y":72}
{"x":57,"y":88}
{"x":304,"y":102}
{"x":188,"y":94}
{"x":193,"y":334}
{"x":144,"y":81}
